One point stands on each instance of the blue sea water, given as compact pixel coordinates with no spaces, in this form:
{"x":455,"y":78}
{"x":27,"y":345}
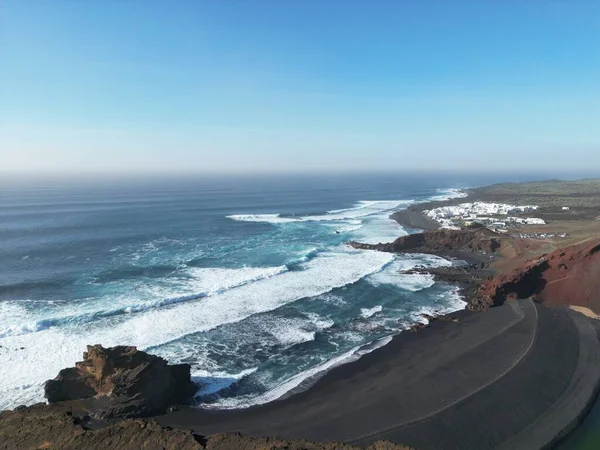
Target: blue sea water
{"x":248,"y":279}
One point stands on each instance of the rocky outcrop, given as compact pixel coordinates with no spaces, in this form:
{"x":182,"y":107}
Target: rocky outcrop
{"x":467,"y":278}
{"x":440,"y":241}
{"x":567,"y":276}
{"x":231,"y":441}
{"x":471,"y":244}
{"x":122,"y":382}
{"x":54,"y":427}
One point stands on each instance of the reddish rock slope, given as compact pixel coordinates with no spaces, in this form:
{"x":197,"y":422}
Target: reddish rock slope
{"x":568,"y":276}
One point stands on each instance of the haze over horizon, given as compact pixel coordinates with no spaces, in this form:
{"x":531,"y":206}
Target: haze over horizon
{"x":266,"y":86}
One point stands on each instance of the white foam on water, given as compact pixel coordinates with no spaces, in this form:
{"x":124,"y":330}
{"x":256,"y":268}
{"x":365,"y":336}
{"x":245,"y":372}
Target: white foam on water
{"x":362,"y":209}
{"x":331,"y":299}
{"x":198,"y":283}
{"x":392,"y":274}
{"x":213,"y":382}
{"x":453,"y":300}
{"x":292,"y":383}
{"x":371,"y":204}
{"x":370,"y":312}
{"x":367,"y":222}
{"x":215,"y":280}
{"x":351,"y":336}
{"x":290,"y":331}
{"x":448,"y":302}
{"x":412,"y":282}
{"x":447,"y":194}
{"x":378,"y":229}
{"x":262,"y":218}
{"x":413,"y":260}
{"x":294,"y":330}
{"x":346,"y":226}
{"x":304,"y":255}
{"x":28,"y":360}
{"x":321,"y":323}
{"x":14,"y":319}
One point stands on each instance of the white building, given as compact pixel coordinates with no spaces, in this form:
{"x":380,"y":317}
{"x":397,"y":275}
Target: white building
{"x":481,"y":212}
{"x":535,"y":221}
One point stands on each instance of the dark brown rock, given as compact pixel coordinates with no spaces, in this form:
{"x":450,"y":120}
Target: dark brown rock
{"x":54,"y":427}
{"x":122,"y":382}
{"x":440,"y":241}
{"x":235,"y":441}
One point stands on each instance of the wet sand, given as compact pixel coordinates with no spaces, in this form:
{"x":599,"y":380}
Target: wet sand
{"x":509,"y":377}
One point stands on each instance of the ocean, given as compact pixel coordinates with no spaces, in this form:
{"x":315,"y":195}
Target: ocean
{"x":248,"y":279}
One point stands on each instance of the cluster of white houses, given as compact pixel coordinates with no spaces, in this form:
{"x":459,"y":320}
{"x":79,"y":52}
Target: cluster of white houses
{"x":542,"y":235}
{"x":493,"y":215}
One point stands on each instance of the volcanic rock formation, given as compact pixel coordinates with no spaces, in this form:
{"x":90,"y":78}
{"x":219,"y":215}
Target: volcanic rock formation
{"x":122,"y":382}
{"x":439,"y":241}
{"x":567,"y":276}
{"x":54,"y":427}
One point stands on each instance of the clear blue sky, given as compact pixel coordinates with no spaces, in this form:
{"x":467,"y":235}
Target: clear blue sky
{"x":299,"y":85}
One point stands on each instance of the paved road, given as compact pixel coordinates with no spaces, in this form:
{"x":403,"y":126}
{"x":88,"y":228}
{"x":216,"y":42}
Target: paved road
{"x":512,"y":375}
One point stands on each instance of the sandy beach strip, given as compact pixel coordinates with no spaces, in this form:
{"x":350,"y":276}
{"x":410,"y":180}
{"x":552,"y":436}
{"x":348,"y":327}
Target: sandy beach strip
{"x":414,"y":219}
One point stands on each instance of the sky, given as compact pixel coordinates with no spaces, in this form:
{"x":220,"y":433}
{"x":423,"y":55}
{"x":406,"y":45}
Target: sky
{"x":299,"y":86}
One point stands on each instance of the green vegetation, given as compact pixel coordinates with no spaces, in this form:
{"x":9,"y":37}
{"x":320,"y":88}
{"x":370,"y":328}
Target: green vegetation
{"x":546,"y":194}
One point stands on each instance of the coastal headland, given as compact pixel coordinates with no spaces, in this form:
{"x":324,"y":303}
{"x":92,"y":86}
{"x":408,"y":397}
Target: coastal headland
{"x":518,"y":369}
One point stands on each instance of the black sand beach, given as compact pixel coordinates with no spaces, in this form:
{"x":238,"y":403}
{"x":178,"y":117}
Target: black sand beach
{"x":413,"y":218}
{"x":516,"y":376}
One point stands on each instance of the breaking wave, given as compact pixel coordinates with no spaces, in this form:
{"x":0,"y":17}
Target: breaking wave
{"x":201,"y":282}
{"x":361,"y":209}
{"x":262,"y":218}
{"x":370,"y":312}
{"x":155,"y":327}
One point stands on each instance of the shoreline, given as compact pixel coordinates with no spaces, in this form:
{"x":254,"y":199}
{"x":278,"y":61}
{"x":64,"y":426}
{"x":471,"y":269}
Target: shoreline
{"x":415,"y":393}
{"x":471,"y":258}
{"x":533,"y":434}
{"x":413,"y":219}
{"x":349,"y":358}
{"x":337,"y":373}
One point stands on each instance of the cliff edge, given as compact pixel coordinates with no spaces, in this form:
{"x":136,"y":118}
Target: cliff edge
{"x":441,"y":241}
{"x":569,"y":276}
{"x":55,"y":427}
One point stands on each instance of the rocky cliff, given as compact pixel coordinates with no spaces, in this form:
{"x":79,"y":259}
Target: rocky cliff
{"x":440,"y":241}
{"x":567,"y":276}
{"x":54,"y":427}
{"x":122,"y":382}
